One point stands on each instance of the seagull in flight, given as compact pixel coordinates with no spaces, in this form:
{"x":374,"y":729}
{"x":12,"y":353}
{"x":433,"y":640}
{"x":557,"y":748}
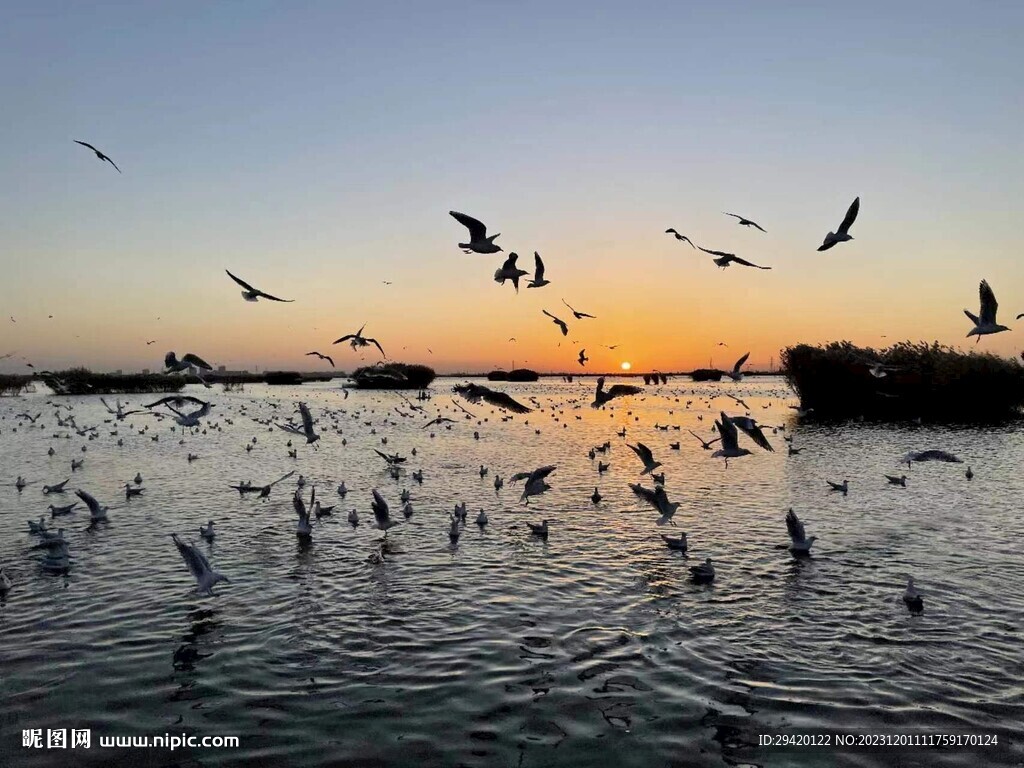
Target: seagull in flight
{"x":357,"y":340}
{"x":509,"y":271}
{"x":730,"y":441}
{"x":99,"y":154}
{"x":307,"y":426}
{"x":843,"y":233}
{"x":198,"y":566}
{"x":322,"y":357}
{"x":583,"y":357}
{"x":253,"y":294}
{"x":560,"y":323}
{"x":173,"y":365}
{"x":725,"y":259}
{"x":801,"y":541}
{"x":735,"y":373}
{"x":148,"y":343}
{"x":619,"y":390}
{"x":535,"y":481}
{"x":746,"y":222}
{"x":985,"y":323}
{"x":538,"y":280}
{"x":658,"y":499}
{"x":705,"y":445}
{"x":644,"y":454}
{"x":684,"y":238}
{"x":479,"y":242}
{"x":474,"y":393}
{"x":579,"y":315}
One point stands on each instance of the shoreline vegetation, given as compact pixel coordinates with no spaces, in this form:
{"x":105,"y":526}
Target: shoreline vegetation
{"x":905,"y":381}
{"x":393,"y":376}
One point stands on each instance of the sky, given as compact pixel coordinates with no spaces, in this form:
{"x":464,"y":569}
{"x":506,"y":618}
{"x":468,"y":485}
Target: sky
{"x":315,"y":149}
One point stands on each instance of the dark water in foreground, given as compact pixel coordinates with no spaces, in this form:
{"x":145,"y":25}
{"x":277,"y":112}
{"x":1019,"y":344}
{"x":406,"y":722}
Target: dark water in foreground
{"x":505,"y":650}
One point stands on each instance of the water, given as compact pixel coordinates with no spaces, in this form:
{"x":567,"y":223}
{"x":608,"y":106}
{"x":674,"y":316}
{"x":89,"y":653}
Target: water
{"x":507,"y":650}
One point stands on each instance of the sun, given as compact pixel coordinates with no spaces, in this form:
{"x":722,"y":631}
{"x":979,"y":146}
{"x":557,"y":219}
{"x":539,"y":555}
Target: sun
{"x":627,"y":365}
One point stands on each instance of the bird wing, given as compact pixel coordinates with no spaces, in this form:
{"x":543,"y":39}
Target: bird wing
{"x":475,"y":393}
{"x":86,"y":144}
{"x":739,"y":363}
{"x":753,"y":431}
{"x":723,"y":254}
{"x":851,"y":216}
{"x":642,"y":452}
{"x":727,"y":431}
{"x":552,"y":316}
{"x":241,"y":282}
{"x":197,"y":361}
{"x":620,"y":390}
{"x":170,"y":360}
{"x":568,"y":305}
{"x":196,"y":563}
{"x":283,"y":477}
{"x":290,"y":428}
{"x":274,"y":298}
{"x":645,"y":494}
{"x":989,"y":305}
{"x":538,"y":274}
{"x":745,"y":263}
{"x":378,"y":346}
{"x":307,"y":419}
{"x":344,"y":338}
{"x":795,"y":527}
{"x":477,"y":229}
{"x":89,"y":499}
{"x":973,"y":317}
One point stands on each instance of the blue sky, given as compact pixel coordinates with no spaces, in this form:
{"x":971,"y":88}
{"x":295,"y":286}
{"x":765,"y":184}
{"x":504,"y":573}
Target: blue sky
{"x":315,"y":149}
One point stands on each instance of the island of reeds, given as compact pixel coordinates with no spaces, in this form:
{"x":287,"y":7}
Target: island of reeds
{"x":82,"y":381}
{"x":11,"y":384}
{"x":903,"y":382}
{"x":393,"y":376}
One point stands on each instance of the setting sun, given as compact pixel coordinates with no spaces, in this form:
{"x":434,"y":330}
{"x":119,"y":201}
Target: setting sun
{"x":626,"y":366}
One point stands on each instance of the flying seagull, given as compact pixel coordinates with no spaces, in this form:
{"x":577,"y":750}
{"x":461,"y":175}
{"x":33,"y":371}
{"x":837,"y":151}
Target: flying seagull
{"x":644,"y":454}
{"x":535,"y":481}
{"x":843,"y":234}
{"x":705,"y":445}
{"x":476,"y":392}
{"x":730,"y":441}
{"x":725,"y":259}
{"x":322,"y":357}
{"x":801,"y":541}
{"x":198,"y":566}
{"x":986,"y":323}
{"x":538,"y":280}
{"x":619,"y":390}
{"x":583,"y":357}
{"x":252,"y":294}
{"x":479,"y":242}
{"x":307,"y":426}
{"x":560,"y":323}
{"x":746,"y":222}
{"x":579,"y":315}
{"x":509,"y":271}
{"x":174,"y":365}
{"x":684,"y":238}
{"x":735,"y":374}
{"x":357,"y":340}
{"x":99,"y":154}
{"x":658,"y":499}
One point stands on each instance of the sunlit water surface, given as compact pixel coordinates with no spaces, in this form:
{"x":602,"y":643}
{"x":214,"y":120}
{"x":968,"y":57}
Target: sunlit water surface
{"x":506,"y":650}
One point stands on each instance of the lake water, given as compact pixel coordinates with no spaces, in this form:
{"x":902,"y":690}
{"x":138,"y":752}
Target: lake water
{"x":506,"y":650}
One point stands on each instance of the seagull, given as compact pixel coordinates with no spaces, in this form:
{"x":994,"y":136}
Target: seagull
{"x":34,"y":527}
{"x":560,"y":323}
{"x":595,"y":496}
{"x":173,"y":365}
{"x":538,"y":280}
{"x":65,"y":510}
{"x":580,"y":315}
{"x":725,"y":259}
{"x":479,"y":242}
{"x":307,"y":426}
{"x":453,"y":529}
{"x":5,"y":582}
{"x":969,"y":474}
{"x":96,"y":512}
{"x":746,"y":222}
{"x":328,"y":358}
{"x":481,"y":519}
{"x":474,"y":393}
{"x":583,"y":357}
{"x":843,"y":233}
{"x":539,"y":530}
{"x":705,"y":445}
{"x":735,"y":374}
{"x":58,"y":488}
{"x":931,"y":455}
{"x":842,"y":487}
{"x":382,"y":513}
{"x":897,"y":480}
{"x":357,"y":340}
{"x":199,"y":566}
{"x":438,"y":420}
{"x":678,"y":544}
{"x":912,"y":598}
{"x":801,"y":541}
{"x":509,"y":271}
{"x":619,"y":390}
{"x":253,"y":294}
{"x":657,"y":498}
{"x":99,"y":154}
{"x":206,"y":531}
{"x":730,"y":441}
{"x":680,"y":237}
{"x":535,"y":484}
{"x":703,"y":573}
{"x":986,"y":323}
{"x":752,"y":430}
{"x":644,"y":454}
{"x":304,"y":529}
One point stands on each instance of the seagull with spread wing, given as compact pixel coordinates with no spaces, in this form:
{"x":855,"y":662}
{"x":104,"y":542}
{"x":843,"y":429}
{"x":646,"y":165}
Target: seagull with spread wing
{"x":735,"y":373}
{"x":985,"y":321}
{"x":725,"y":259}
{"x":328,"y":358}
{"x":658,"y":499}
{"x":746,"y":222}
{"x":843,"y":233}
{"x":601,"y":396}
{"x":801,"y":542}
{"x":730,"y":441}
{"x":509,"y":271}
{"x":538,"y":281}
{"x":99,"y":154}
{"x":173,"y":365}
{"x":474,"y":393}
{"x":583,"y":357}
{"x":198,"y":566}
{"x":644,"y":454}
{"x":479,"y":242}
{"x":684,"y":238}
{"x":578,"y":315}
{"x":560,"y":323}
{"x":357,"y":340}
{"x":706,"y":445}
{"x":252,"y":294}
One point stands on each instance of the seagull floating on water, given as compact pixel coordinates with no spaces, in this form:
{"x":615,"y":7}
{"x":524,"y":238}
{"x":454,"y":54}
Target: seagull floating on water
{"x":703,"y":573}
{"x":801,"y":542}
{"x":912,"y":598}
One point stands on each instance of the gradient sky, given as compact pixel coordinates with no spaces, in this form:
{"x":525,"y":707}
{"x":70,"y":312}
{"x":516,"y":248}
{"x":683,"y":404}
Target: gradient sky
{"x":315,"y":149}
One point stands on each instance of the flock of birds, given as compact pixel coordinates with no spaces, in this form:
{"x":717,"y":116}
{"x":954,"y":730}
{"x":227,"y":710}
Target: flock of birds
{"x":188,"y":414}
